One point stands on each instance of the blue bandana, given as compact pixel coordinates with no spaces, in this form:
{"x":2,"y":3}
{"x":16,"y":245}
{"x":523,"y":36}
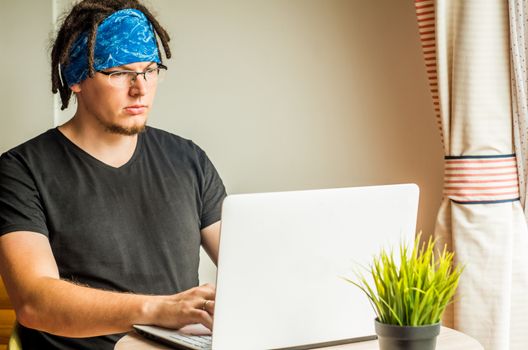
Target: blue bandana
{"x":124,"y":37}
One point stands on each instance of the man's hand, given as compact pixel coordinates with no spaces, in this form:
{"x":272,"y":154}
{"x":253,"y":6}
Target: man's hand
{"x":195,"y":305}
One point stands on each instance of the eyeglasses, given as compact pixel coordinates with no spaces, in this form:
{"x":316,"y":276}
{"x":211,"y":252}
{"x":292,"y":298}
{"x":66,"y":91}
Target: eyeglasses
{"x":127,"y":78}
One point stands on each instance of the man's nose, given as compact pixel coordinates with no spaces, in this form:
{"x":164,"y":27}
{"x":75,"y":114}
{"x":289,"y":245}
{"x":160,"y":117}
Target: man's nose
{"x":139,"y":86}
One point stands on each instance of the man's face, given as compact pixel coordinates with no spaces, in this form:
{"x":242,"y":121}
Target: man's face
{"x":121,"y":109}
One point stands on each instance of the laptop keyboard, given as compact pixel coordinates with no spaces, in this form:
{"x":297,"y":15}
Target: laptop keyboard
{"x":202,"y":342}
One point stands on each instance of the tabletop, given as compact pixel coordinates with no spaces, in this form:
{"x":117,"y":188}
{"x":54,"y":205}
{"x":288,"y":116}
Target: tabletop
{"x":448,"y":339}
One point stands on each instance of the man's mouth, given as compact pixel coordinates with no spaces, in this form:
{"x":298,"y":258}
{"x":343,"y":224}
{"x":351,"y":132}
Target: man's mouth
{"x":136,"y":109}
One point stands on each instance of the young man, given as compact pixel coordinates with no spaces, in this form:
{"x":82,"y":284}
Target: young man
{"x":102,"y":218}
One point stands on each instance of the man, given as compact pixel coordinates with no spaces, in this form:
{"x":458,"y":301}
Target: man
{"x":102,"y":218}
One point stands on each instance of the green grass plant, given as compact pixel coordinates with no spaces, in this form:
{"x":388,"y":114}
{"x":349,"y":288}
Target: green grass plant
{"x":415,"y":291}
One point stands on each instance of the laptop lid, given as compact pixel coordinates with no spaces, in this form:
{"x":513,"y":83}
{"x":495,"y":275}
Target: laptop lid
{"x":282,"y":256}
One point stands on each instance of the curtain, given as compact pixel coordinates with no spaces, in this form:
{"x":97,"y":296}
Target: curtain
{"x":518,"y":36}
{"x":467,"y":59}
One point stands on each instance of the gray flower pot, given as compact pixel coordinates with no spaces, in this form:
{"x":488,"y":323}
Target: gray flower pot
{"x":393,"y":337}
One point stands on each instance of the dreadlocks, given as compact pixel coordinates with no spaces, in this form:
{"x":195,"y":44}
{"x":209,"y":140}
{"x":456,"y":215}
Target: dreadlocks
{"x":85,"y":17}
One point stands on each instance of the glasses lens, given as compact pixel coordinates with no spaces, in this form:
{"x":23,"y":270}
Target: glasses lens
{"x":121,"y":79}
{"x":161,"y":74}
{"x":155,"y":75}
{"x":128,"y":78}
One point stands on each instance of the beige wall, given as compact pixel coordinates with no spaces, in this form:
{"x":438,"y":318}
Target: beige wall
{"x":282,"y":94}
{"x":26,"y":107}
{"x":297,"y":94}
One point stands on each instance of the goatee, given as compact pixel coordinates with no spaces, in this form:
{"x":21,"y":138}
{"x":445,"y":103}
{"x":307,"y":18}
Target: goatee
{"x":121,"y":130}
{"x":131,"y":131}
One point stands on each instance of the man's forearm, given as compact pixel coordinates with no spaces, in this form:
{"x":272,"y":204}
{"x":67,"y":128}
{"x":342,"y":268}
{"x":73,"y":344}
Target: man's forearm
{"x":66,"y":309}
{"x":42,"y":301}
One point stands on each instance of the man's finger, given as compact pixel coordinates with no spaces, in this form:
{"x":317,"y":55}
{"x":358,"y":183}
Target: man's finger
{"x":207,"y":320}
{"x":206,"y":292}
{"x":209,"y":307}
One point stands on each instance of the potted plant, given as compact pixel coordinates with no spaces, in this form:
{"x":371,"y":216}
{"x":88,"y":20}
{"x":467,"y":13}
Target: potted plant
{"x":409,"y":294}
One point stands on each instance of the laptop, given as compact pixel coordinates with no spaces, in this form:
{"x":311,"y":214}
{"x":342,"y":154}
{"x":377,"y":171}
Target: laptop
{"x":282,"y":259}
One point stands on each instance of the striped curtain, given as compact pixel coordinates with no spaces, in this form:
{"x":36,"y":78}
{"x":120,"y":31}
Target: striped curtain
{"x":518,"y":36}
{"x":467,"y":58}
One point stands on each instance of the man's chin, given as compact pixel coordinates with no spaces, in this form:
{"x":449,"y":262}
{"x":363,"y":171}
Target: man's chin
{"x":126,"y":126}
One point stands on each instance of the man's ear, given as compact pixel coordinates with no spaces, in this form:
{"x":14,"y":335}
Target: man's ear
{"x":76,"y":88}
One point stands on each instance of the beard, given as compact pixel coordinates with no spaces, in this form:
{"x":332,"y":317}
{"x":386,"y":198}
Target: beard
{"x":122,"y":130}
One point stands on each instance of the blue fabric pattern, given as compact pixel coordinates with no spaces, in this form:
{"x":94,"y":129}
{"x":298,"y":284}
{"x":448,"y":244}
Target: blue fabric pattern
{"x":124,"y":37}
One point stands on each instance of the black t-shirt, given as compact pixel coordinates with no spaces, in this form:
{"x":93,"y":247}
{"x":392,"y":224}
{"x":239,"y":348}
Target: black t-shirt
{"x":135,"y":228}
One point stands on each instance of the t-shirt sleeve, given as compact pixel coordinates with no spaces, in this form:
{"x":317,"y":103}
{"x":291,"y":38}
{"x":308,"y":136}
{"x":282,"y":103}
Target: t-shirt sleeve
{"x":212,"y":194}
{"x":20,"y":204}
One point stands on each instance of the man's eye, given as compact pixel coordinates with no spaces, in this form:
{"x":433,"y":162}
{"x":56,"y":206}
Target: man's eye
{"x":119,"y":74}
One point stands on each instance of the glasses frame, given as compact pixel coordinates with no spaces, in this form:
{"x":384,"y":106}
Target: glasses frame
{"x":133,"y":80}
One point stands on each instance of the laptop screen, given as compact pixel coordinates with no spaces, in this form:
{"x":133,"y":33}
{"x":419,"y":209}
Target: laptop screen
{"x":283,"y":256}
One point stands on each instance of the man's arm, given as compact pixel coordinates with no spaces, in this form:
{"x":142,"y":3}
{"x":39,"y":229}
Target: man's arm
{"x":45,"y":302}
{"x":211,"y":240}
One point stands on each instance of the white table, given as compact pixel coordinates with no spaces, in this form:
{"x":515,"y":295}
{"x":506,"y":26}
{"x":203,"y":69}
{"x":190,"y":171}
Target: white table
{"x":448,"y":339}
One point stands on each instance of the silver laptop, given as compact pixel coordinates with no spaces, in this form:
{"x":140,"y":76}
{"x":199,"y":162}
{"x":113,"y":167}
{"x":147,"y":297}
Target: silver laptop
{"x":282,"y":259}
